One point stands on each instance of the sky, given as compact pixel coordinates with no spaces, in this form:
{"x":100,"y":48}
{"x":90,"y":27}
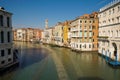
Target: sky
{"x":33,"y":13}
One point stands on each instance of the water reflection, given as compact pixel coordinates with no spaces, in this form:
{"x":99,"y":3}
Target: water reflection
{"x":37,"y":63}
{"x":86,"y":66}
{"x":29,"y":54}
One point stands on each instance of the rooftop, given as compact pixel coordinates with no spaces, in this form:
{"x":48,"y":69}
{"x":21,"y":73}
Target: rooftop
{"x":109,"y":5}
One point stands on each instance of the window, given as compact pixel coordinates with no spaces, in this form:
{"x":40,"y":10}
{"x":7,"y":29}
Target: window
{"x":76,"y":46}
{"x":9,"y":51}
{"x":117,"y":33}
{"x":80,"y":33}
{"x":2,"y":36}
{"x":90,"y":40}
{"x":104,"y":14}
{"x":89,"y":46}
{"x":109,"y":12}
{"x":2,"y":53}
{"x":8,"y":21}
{"x":90,"y":34}
{"x":118,"y":8}
{"x":90,"y":21}
{"x":1,"y":20}
{"x":93,"y":33}
{"x":8,"y":36}
{"x":80,"y":27}
{"x":80,"y":21}
{"x":117,"y":19}
{"x":113,"y":10}
{"x":85,"y":45}
{"x":85,"y":21}
{"x":9,"y":59}
{"x":85,"y":34}
{"x":80,"y":46}
{"x":93,"y":40}
{"x":2,"y":62}
{"x":90,"y":27}
{"x":112,"y":33}
{"x":85,"y":40}
{"x":113,"y":20}
{"x":93,"y":27}
{"x":93,"y":45}
{"x":109,"y":33}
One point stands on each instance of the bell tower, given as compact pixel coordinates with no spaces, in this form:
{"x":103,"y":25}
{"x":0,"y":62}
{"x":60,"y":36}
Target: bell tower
{"x":46,"y":23}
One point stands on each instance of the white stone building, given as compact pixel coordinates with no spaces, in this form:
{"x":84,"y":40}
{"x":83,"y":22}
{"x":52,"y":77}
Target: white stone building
{"x":21,"y":34}
{"x":58,"y":34}
{"x":6,"y":50}
{"x":109,"y":30}
{"x":48,"y":35}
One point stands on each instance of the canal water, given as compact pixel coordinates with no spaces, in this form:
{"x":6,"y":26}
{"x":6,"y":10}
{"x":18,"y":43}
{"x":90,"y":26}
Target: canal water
{"x":43,"y":62}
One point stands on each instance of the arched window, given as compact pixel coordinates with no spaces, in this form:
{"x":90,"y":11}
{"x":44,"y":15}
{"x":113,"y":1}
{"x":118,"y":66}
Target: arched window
{"x":8,"y":36}
{"x":113,"y":10}
{"x":2,"y":36}
{"x":111,"y":33}
{"x":116,"y":33}
{"x":118,"y":8}
{"x":8,"y":22}
{"x":1,"y":20}
{"x":109,"y":12}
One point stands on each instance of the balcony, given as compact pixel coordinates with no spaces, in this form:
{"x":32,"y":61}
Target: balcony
{"x":74,"y":36}
{"x":103,"y":38}
{"x":74,"y":29}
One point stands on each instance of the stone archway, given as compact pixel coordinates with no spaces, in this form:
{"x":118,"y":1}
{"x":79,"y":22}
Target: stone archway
{"x":115,"y":50}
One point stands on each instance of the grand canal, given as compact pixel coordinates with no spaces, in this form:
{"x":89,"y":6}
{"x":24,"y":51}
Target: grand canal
{"x":43,"y":62}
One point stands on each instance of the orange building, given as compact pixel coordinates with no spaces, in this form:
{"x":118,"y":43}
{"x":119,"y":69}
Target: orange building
{"x":27,"y":34}
{"x":84,"y":31}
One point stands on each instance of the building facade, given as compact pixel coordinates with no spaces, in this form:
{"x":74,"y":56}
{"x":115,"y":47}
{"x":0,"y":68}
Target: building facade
{"x":6,"y":50}
{"x":66,"y":32}
{"x":58,"y":34}
{"x":27,"y":34}
{"x":48,"y":35}
{"x":21,"y":34}
{"x":109,"y":30}
{"x":84,"y":32}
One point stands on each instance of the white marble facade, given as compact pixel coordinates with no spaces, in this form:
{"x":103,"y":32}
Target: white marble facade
{"x":109,"y":30}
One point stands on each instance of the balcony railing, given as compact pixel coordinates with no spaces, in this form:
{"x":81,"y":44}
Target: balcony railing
{"x":103,"y":38}
{"x":74,"y":29}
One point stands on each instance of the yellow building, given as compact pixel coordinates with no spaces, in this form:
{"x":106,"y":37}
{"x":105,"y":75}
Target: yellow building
{"x":66,"y":33}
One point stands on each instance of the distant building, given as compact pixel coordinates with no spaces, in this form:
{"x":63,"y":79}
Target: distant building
{"x":84,"y":32}
{"x":27,"y":34}
{"x":58,"y":34}
{"x":109,"y":30}
{"x":6,"y":50}
{"x":14,"y":34}
{"x":21,"y":34}
{"x":48,"y":35}
{"x":66,"y":30}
